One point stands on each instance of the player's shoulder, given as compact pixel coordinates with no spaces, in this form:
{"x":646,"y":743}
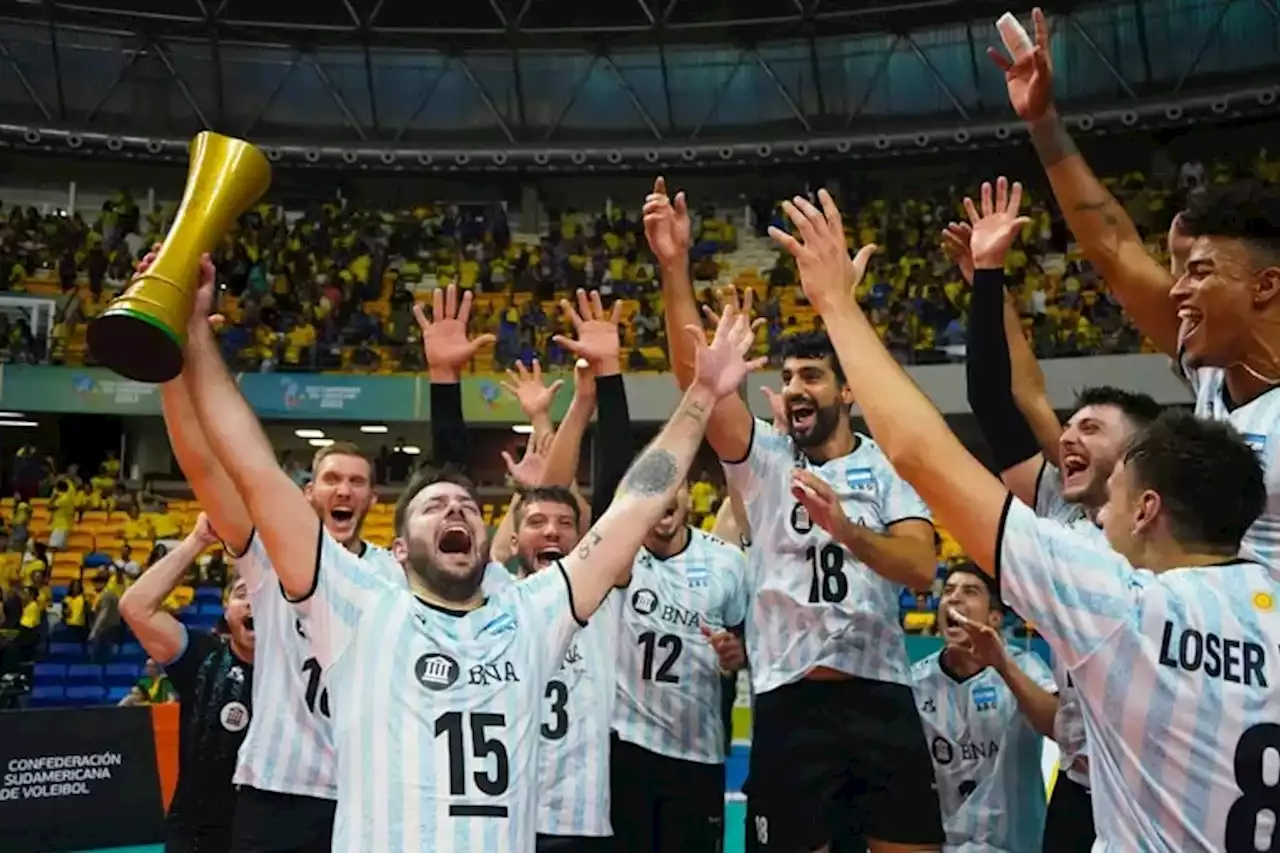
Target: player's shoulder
{"x":926,"y":668}
{"x":765,"y":438}
{"x":1028,"y":660}
{"x":716,"y":547}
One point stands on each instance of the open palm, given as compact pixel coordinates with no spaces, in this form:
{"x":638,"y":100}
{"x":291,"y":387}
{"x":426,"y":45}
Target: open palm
{"x":722,"y":366}
{"x":526,"y":386}
{"x":666,"y":224}
{"x":444,"y":337}
{"x":996,"y":225}
{"x":597,"y":330}
{"x":1029,"y":75}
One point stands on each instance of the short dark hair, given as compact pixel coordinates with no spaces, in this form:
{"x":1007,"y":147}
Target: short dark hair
{"x":550,"y":494}
{"x":1209,"y":481}
{"x":339,"y":448}
{"x":970,"y":568}
{"x":1248,"y":211}
{"x":815,"y":345}
{"x":1140,"y":409}
{"x":422,"y":478}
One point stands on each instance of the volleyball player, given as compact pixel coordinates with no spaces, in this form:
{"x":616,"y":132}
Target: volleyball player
{"x":1061,"y":473}
{"x":985,"y":708}
{"x":1215,"y":309}
{"x":214,"y":682}
{"x":835,"y":535}
{"x":435,"y":689}
{"x":1174,"y":660}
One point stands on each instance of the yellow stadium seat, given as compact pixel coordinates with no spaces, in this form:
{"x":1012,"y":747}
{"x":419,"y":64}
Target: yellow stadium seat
{"x":141,"y":547}
{"x":916,"y":620}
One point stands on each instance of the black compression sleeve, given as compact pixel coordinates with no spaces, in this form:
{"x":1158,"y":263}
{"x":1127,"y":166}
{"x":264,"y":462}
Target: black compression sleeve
{"x":989,"y":375}
{"x":449,"y":440}
{"x":615,"y":445}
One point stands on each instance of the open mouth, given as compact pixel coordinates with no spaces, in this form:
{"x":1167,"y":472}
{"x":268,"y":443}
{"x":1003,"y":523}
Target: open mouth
{"x":547,"y":556}
{"x":342,"y":514}
{"x":802,"y":416}
{"x":1190,"y":321}
{"x":248,"y":623}
{"x":1073,"y":465}
{"x":455,"y":539}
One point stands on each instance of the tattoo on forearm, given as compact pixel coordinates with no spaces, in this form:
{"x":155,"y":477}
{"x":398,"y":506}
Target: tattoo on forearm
{"x":652,"y":474}
{"x":1052,"y":142}
{"x":589,"y":541}
{"x":696,"y":412}
{"x":1104,"y":208}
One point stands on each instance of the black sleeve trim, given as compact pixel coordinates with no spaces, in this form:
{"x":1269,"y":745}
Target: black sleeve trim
{"x":615,"y":443}
{"x":315,"y":578}
{"x":928,"y":521}
{"x":1004,"y":519}
{"x":253,"y":531}
{"x":1044,"y":466}
{"x":568,"y":587}
{"x":449,"y":438}
{"x":751,"y":440}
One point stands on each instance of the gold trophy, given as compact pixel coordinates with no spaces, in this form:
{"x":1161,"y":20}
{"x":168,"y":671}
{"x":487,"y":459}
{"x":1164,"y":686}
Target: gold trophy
{"x":141,"y":334}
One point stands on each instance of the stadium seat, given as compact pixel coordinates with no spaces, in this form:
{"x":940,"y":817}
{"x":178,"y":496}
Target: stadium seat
{"x":122,"y":673}
{"x":131,"y":651}
{"x":84,"y":674}
{"x":66,"y":652}
{"x":46,"y":695}
{"x":47,"y":672}
{"x":86,"y":695}
{"x":115,"y":694}
{"x":208,"y":593}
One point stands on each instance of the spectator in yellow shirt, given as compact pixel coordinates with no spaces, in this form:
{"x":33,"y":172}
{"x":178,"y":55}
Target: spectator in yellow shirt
{"x":701,"y":496}
{"x":39,"y":562}
{"x":18,"y":528}
{"x":136,"y":527}
{"x":75,"y":612}
{"x":65,"y":502}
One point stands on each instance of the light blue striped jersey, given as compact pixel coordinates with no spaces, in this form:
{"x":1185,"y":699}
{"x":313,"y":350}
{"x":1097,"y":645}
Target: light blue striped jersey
{"x":289,"y":746}
{"x":986,"y":755}
{"x":1177,"y":675}
{"x":669,"y":681}
{"x":1068,"y":724}
{"x":436,"y":713}
{"x":1258,"y":422}
{"x":812,"y":602}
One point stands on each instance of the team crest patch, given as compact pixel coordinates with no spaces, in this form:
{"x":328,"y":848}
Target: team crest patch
{"x":1257,"y":441}
{"x":644,"y":601}
{"x":436,"y":671}
{"x":234,"y":716}
{"x":860,"y":479}
{"x":1264,"y":601}
{"x":984,"y":698}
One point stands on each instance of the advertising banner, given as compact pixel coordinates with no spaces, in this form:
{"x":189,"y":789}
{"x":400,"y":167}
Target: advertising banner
{"x":84,"y":390}
{"x":485,"y":401}
{"x":79,"y":778}
{"x":322,"y":396}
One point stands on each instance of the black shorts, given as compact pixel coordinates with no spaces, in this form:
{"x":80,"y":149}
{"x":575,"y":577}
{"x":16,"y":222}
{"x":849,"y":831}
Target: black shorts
{"x":837,"y":760}
{"x":271,"y":822}
{"x":664,"y":805}
{"x":573,"y":844}
{"x":1068,"y":826}
{"x":207,"y":840}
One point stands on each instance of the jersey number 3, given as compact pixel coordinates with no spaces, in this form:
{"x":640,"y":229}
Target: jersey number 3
{"x":492,"y":781}
{"x":558,"y":725}
{"x":1257,"y":792}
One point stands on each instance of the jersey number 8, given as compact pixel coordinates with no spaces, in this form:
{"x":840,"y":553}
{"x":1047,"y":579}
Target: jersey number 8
{"x":1258,"y":793}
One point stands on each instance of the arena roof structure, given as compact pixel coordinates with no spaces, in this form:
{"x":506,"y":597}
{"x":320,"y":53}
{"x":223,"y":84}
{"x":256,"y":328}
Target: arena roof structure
{"x":579,"y":83}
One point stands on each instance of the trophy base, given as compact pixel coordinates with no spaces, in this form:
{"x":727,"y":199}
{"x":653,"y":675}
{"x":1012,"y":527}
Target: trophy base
{"x":135,"y":345}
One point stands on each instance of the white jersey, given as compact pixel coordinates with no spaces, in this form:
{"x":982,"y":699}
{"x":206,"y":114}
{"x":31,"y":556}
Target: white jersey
{"x":289,"y":746}
{"x":436,"y":712}
{"x":986,"y":755}
{"x":1258,"y":422}
{"x":812,"y":602}
{"x":1068,"y":724}
{"x":669,"y":681}
{"x":1177,"y":676}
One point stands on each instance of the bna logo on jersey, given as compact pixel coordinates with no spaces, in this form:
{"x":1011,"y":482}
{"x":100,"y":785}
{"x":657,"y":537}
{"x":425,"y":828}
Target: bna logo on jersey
{"x":860,"y":479}
{"x":645,"y":601}
{"x":1257,"y":441}
{"x":436,"y":671}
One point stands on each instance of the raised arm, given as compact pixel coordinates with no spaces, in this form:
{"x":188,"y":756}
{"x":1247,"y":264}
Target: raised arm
{"x":1106,"y":234}
{"x":603,"y":558}
{"x":286,"y":522}
{"x":988,"y":362}
{"x":141,"y":607}
{"x":599,"y":343}
{"x":446,"y":349}
{"x":666,"y":226}
{"x":966,"y":499}
{"x":1030,"y":687}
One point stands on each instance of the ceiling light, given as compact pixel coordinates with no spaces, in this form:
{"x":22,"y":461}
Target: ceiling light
{"x":374,"y":429}
{"x":309,"y":433}
{"x":523,"y":429}
{"x":11,"y":415}
{"x":320,"y":442}
{"x":411,"y":450}
{"x":19,"y":424}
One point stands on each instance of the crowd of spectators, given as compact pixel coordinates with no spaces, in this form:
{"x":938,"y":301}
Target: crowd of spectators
{"x":333,"y":287}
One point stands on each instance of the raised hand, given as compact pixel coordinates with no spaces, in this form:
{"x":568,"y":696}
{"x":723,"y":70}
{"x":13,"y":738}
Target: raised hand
{"x":530,"y":471}
{"x":984,"y":645}
{"x":1029,"y":75}
{"x":820,"y":501}
{"x":1180,"y":243}
{"x":598,"y":341}
{"x":721,"y":367}
{"x":955,"y":242}
{"x":827,"y":274}
{"x":206,"y":288}
{"x":997,"y":225}
{"x":526,"y":386}
{"x":445,"y":344}
{"x":203,"y":532}
{"x":779,"y":408}
{"x":727,"y":646}
{"x":666,"y":225}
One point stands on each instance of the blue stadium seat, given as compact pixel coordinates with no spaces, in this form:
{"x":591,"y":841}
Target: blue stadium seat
{"x":66,"y":652}
{"x":46,"y":695}
{"x":187,"y":612}
{"x":907,"y":600}
{"x":86,"y":695}
{"x":46,"y":672}
{"x":204,"y":622}
{"x":84,"y":673}
{"x":131,"y":651}
{"x":59,"y":593}
{"x":122,"y":673}
{"x":213,"y":609}
{"x":209,"y":593}
{"x":115,"y":694}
